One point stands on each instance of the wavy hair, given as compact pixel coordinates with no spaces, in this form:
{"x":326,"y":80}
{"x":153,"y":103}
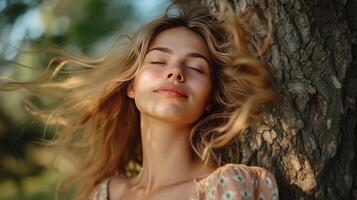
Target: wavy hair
{"x":100,"y":122}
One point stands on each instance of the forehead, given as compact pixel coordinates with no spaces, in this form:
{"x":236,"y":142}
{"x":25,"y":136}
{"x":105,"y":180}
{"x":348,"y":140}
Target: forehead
{"x":181,"y":40}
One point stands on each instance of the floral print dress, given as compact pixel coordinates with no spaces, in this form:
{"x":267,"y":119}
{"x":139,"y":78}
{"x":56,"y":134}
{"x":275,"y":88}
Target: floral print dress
{"x":228,"y":182}
{"x":237,"y":182}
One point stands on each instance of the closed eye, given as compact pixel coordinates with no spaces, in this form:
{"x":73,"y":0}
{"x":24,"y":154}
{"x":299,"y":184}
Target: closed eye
{"x":198,"y":70}
{"x":159,"y":63}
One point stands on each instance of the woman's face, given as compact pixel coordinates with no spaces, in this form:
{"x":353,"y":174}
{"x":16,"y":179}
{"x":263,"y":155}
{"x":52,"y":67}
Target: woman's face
{"x":174,"y":81}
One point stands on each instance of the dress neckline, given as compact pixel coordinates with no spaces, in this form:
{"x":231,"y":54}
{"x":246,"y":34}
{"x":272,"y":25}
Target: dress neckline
{"x":199,"y":179}
{"x":203,"y":178}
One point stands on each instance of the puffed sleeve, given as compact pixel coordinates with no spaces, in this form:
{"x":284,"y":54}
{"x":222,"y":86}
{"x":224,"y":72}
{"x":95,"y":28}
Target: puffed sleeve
{"x":241,"y":182}
{"x":266,"y":187}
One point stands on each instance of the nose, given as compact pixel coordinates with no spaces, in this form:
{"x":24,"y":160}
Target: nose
{"x":175,"y":73}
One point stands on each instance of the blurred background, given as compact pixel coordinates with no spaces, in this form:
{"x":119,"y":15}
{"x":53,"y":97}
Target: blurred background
{"x":29,"y":170}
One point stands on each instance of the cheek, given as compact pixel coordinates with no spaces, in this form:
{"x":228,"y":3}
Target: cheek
{"x":203,"y":88}
{"x":146,"y":79}
{"x":143,"y":87}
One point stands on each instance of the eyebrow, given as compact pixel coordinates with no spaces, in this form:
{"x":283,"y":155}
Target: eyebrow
{"x":169,"y":51}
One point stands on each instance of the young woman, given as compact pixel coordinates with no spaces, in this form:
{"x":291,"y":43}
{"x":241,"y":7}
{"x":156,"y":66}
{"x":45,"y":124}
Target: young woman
{"x":148,"y":119}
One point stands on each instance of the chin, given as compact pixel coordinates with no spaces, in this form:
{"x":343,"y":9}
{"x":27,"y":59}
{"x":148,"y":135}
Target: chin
{"x":178,"y":118}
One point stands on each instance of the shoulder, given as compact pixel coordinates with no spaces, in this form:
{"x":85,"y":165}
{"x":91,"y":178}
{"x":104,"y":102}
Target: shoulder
{"x":100,"y":191}
{"x":238,"y":181}
{"x":118,"y":186}
{"x":249,"y":181}
{"x":104,"y":190}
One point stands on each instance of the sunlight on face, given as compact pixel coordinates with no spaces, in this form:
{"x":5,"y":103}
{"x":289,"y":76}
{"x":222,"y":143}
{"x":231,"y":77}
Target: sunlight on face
{"x":174,"y":82}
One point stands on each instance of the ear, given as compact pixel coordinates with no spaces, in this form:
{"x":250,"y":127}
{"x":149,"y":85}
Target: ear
{"x":130,"y":90}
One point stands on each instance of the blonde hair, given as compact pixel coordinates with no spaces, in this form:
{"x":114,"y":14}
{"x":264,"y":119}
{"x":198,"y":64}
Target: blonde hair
{"x":99,"y":119}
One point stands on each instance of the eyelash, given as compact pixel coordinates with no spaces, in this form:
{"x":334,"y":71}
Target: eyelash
{"x":195,"y":69}
{"x":162,"y":63}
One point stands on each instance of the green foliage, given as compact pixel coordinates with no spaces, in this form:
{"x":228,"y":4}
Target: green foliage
{"x":14,"y":9}
{"x":100,"y":19}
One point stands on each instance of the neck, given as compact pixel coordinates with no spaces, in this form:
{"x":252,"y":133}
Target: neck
{"x":167,"y":155}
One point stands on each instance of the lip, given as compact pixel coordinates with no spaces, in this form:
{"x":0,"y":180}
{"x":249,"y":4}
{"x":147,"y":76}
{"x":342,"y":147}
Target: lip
{"x":172,"y":91}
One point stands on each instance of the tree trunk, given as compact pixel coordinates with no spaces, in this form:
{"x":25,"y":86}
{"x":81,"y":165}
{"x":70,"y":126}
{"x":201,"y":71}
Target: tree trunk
{"x":309,"y":139}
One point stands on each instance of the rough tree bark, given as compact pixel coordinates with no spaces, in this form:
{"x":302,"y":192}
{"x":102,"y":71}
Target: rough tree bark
{"x":309,"y":142}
